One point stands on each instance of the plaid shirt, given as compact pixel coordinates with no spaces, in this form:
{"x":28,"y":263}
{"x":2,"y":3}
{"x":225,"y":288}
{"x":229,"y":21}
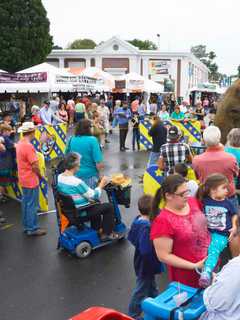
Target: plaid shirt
{"x":174,"y":153}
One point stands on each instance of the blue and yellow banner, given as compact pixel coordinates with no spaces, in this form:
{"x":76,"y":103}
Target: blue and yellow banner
{"x":153,"y":178}
{"x":14,"y":190}
{"x":51,"y":140}
{"x":190,"y":129}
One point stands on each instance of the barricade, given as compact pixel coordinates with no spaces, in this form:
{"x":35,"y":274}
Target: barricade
{"x":191,"y":130}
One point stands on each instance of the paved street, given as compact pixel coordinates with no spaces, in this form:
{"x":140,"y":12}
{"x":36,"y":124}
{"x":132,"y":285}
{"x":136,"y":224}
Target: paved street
{"x":40,"y":283}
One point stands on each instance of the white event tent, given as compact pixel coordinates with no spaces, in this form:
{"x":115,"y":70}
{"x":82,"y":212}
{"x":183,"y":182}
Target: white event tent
{"x":105,"y":81}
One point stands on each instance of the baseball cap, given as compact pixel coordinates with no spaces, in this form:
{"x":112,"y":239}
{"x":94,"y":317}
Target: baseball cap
{"x":174,"y":133}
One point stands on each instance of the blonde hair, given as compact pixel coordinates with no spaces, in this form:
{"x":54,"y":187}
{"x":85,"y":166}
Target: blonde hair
{"x":5,"y":127}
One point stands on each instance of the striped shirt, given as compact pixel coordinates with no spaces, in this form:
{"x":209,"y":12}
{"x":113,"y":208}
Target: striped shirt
{"x":174,"y":153}
{"x":81,"y":194}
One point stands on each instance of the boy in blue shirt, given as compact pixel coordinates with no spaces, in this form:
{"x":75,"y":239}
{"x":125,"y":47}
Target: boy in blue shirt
{"x":146,"y":264}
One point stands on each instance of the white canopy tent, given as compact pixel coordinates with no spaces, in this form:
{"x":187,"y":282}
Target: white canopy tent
{"x":1,"y":70}
{"x":151,"y":86}
{"x":57,"y":79}
{"x":105,"y":81}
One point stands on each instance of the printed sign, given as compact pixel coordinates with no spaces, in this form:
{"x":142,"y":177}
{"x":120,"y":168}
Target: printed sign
{"x":159,"y":67}
{"x":23,"y":77}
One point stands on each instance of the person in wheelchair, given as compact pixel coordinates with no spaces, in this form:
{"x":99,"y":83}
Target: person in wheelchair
{"x":101,"y":215}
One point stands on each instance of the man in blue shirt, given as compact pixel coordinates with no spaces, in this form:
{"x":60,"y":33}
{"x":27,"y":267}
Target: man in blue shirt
{"x":123,"y":115}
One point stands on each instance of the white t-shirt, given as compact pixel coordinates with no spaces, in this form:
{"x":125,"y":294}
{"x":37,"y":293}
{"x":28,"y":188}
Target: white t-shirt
{"x":192,"y":187}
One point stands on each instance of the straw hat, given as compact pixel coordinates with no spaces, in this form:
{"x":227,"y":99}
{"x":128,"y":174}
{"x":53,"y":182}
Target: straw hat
{"x":26,"y":127}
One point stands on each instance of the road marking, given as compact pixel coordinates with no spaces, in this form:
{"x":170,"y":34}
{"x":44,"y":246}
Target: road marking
{"x":6,"y":226}
{"x":46,"y":212}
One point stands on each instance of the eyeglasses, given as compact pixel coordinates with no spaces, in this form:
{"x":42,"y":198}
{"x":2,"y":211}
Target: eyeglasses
{"x":182,"y":194}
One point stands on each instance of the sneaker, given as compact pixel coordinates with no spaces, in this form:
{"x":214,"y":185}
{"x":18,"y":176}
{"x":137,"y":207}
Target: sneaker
{"x":38,"y":232}
{"x":126,"y":148}
{"x":205,"y":279}
{"x":2,"y":220}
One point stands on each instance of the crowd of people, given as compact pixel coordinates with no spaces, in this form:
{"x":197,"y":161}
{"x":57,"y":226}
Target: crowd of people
{"x":185,"y":227}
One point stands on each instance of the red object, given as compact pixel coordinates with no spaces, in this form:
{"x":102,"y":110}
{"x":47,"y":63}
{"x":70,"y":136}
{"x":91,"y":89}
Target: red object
{"x":190,"y":239}
{"x":99,"y":313}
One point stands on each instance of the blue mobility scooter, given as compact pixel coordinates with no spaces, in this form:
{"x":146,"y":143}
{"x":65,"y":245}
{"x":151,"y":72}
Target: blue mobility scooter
{"x":177,"y":302}
{"x":75,"y":233}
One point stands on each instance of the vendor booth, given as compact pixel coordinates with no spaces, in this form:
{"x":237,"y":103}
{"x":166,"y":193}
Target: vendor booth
{"x":210,"y":91}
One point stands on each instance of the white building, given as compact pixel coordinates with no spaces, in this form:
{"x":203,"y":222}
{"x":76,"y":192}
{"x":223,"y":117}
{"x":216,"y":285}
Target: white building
{"x":117,"y":57}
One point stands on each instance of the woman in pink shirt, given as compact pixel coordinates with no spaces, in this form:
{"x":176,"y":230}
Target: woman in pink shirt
{"x":179,"y":232}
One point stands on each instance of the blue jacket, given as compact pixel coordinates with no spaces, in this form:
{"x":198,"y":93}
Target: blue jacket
{"x":145,"y":259}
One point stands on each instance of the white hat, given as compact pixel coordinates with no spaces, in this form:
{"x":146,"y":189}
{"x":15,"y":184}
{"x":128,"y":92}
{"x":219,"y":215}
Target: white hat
{"x":26,"y":127}
{"x":35,"y":108}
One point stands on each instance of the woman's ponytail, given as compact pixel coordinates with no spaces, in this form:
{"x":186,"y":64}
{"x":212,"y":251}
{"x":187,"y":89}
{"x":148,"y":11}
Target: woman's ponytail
{"x":156,"y":203}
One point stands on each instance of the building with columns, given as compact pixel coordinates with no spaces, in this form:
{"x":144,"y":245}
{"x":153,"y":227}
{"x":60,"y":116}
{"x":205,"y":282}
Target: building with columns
{"x":118,"y":57}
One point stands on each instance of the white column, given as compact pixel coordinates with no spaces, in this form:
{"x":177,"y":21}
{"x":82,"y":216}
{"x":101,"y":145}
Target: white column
{"x":88,"y":62}
{"x":61,"y":62}
{"x":98,"y":62}
{"x":145,"y":68}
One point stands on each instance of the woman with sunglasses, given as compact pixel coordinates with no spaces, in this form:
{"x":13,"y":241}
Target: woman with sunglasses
{"x":179,"y":232}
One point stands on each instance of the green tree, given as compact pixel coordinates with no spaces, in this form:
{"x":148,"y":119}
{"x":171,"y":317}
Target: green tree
{"x":56,"y":47}
{"x":82,"y":44}
{"x":200,"y":51}
{"x":238,"y":69}
{"x":24,"y":34}
{"x":143,"y":44}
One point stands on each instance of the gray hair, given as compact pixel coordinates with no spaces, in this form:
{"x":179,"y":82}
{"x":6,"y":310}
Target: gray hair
{"x":233,"y":138}
{"x":71,"y":160}
{"x":212,"y":136}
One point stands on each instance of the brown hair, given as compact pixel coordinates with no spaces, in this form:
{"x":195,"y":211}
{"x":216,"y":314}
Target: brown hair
{"x":145,"y":204}
{"x":5,"y":127}
{"x":169,"y":185}
{"x":83,"y":128}
{"x":212,"y":182}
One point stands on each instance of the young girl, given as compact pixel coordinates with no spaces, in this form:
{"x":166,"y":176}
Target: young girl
{"x":221,"y":218}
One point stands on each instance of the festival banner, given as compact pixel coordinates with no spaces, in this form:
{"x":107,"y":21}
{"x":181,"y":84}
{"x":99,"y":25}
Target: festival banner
{"x":51,"y":140}
{"x":190,"y":129}
{"x":153,"y":178}
{"x":23,"y":77}
{"x":14,"y":190}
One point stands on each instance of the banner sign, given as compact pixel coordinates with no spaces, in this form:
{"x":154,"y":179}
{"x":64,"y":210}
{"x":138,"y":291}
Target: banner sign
{"x":159,"y":67}
{"x":23,"y":77}
{"x":135,"y":84}
{"x":75,"y":79}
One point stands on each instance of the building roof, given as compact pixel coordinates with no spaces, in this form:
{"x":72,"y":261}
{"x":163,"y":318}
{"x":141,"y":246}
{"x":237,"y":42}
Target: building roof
{"x":118,"y":47}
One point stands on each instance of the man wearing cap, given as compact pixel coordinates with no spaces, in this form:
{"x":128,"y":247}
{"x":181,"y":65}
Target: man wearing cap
{"x":29,"y":176}
{"x":173,"y":152}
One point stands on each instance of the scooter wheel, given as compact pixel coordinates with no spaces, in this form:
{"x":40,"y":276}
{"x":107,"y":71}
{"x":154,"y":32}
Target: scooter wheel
{"x":83,"y":250}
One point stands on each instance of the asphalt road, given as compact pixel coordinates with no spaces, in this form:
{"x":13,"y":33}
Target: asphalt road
{"x":38,"y":282}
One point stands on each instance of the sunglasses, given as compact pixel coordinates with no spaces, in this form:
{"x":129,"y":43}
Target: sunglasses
{"x":182,"y":194}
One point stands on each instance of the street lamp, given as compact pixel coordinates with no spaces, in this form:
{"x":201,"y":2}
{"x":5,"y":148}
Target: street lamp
{"x":158,"y":36}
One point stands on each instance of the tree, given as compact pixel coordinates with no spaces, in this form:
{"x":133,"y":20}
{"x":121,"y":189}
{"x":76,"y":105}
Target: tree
{"x":143,"y":44}
{"x":24,"y":34}
{"x":56,"y":47}
{"x":82,"y":44}
{"x":238,"y":69}
{"x":200,"y":51}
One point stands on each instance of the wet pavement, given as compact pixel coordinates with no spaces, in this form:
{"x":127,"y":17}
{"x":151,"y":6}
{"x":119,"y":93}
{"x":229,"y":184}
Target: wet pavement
{"x":38,"y":282}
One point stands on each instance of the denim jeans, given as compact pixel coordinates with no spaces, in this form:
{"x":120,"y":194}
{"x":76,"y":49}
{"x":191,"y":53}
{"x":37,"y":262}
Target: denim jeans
{"x":153,"y":158}
{"x":145,"y":287}
{"x":30,"y":204}
{"x":136,"y":138}
{"x":92,"y":182}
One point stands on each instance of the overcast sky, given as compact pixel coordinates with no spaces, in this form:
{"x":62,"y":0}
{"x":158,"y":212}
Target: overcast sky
{"x":181,"y":24}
